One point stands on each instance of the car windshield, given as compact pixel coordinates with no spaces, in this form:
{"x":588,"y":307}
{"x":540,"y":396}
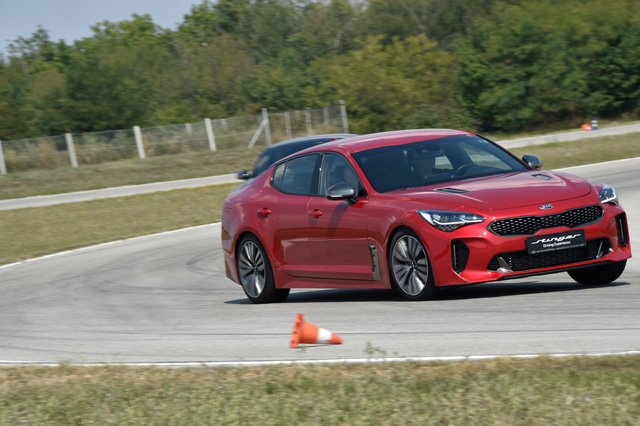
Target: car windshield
{"x":435,"y":161}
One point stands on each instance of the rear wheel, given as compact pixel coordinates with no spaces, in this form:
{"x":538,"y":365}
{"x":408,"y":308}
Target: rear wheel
{"x":410,"y":268}
{"x":255,"y":272}
{"x":599,"y":274}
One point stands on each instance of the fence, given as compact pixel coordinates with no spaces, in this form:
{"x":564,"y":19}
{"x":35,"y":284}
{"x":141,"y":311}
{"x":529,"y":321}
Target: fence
{"x":75,"y":150}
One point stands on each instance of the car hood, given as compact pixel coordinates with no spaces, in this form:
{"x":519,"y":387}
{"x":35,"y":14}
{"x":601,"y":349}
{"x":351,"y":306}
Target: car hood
{"x":502,"y":191}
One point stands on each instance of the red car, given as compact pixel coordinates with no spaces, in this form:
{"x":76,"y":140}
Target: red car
{"x":417,"y":210}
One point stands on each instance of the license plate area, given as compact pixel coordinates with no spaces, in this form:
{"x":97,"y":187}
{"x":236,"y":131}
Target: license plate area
{"x":554,"y":242}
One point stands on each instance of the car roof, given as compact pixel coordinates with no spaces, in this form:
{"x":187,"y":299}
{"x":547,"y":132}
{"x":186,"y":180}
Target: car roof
{"x":398,"y":137}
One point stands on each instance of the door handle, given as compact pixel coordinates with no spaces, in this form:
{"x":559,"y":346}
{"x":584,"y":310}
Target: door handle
{"x":264,"y":212}
{"x":315,"y":213}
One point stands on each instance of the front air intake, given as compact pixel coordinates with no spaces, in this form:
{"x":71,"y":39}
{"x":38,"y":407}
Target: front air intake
{"x":459,"y":256}
{"x":623,"y":230}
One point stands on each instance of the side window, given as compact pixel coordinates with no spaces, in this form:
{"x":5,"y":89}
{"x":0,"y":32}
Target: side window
{"x":296,"y":175}
{"x":336,"y":169}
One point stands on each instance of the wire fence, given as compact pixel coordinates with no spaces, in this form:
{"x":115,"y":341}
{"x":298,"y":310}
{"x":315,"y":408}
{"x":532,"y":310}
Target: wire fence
{"x":77,"y":150}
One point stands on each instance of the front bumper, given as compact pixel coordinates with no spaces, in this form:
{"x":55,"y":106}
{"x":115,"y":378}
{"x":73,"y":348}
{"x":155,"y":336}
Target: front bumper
{"x":473,"y":254}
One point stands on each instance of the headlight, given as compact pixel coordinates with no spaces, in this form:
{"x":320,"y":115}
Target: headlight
{"x":449,"y":221}
{"x":608,"y":195}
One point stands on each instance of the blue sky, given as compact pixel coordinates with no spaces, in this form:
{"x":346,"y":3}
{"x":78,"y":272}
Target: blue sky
{"x":71,"y":19}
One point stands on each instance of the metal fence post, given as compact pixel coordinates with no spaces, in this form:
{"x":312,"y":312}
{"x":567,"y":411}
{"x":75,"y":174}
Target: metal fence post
{"x":325,"y":110}
{"x":3,"y":166}
{"x":287,"y":124}
{"x":267,"y":129}
{"x":307,"y":116}
{"x":187,"y":127}
{"x":212,"y":139}
{"x":72,"y":150}
{"x":138,"y":135}
{"x":343,"y":112}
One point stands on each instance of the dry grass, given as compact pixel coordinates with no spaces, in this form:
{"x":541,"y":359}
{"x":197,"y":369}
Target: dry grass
{"x":567,"y":154}
{"x":39,"y":231}
{"x":542,"y":391}
{"x":126,"y":172}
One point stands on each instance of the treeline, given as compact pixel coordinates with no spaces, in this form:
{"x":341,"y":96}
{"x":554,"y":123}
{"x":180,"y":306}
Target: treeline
{"x":510,"y":64}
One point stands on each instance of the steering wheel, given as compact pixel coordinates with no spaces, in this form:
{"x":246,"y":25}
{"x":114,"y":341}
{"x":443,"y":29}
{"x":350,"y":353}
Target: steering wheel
{"x":460,"y":171}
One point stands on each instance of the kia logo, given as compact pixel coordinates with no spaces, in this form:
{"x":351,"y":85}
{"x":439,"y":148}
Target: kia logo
{"x":546,"y":206}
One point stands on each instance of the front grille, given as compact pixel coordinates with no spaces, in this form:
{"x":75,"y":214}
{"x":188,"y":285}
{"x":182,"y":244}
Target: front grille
{"x":529,"y":225}
{"x":523,"y":261}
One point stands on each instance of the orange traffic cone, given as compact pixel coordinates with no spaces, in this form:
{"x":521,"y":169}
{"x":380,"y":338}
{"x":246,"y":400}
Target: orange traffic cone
{"x":305,"y":332}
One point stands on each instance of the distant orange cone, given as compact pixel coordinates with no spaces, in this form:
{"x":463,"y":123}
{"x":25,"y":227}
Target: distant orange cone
{"x":305,"y":332}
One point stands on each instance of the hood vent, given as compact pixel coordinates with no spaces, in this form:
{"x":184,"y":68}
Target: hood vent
{"x":453,"y":190}
{"x":543,"y":177}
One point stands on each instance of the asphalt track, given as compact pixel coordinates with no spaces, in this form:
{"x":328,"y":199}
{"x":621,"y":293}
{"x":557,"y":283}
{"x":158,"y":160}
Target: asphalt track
{"x":165,"y":298}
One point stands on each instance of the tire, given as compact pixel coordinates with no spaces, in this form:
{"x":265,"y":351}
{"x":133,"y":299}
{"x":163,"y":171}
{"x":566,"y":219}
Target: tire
{"x":409,"y":267}
{"x":599,"y":274}
{"x":255,"y":274}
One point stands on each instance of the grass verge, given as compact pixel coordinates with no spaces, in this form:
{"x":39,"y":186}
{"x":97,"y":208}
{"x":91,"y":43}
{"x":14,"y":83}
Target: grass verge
{"x":126,"y":172}
{"x":588,"y":151}
{"x":541,"y":391}
{"x":39,"y":231}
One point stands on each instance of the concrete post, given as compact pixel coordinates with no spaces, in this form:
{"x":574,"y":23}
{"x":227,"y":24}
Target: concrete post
{"x":3,"y":166}
{"x":212,"y":139}
{"x":287,"y":123}
{"x":267,"y":129}
{"x":307,"y":116}
{"x":138,"y":135}
{"x":72,"y":150}
{"x":343,"y":112}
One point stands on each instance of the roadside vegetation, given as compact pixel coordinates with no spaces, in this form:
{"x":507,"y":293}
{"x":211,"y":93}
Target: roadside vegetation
{"x":476,"y":64}
{"x":540,"y":391}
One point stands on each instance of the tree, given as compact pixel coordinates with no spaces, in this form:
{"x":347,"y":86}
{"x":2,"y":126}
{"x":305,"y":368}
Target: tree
{"x":536,"y":62}
{"x":383,"y":85}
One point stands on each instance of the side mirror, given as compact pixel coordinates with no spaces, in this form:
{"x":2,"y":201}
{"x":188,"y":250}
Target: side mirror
{"x":341,"y":191}
{"x":244,"y":174}
{"x":534,"y":162}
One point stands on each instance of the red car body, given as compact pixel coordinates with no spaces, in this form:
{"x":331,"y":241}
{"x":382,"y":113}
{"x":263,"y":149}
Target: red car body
{"x":311,"y":241}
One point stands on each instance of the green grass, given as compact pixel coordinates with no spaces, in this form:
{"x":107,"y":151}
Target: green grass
{"x":39,"y":231}
{"x":126,"y":172}
{"x":588,"y":151}
{"x":541,"y":391}
{"x":35,"y":232}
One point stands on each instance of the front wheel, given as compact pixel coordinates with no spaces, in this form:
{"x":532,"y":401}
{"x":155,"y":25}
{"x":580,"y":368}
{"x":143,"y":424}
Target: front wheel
{"x":410,"y":268}
{"x":255,"y":272}
{"x":599,"y":274}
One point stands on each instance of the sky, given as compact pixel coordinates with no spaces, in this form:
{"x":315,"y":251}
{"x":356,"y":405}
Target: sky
{"x":71,"y":20}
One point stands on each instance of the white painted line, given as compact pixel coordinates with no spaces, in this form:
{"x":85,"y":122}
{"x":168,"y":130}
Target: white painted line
{"x":320,"y":361}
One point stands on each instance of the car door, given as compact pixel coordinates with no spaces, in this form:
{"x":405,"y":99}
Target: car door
{"x":281,"y":209}
{"x":337,"y":228}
